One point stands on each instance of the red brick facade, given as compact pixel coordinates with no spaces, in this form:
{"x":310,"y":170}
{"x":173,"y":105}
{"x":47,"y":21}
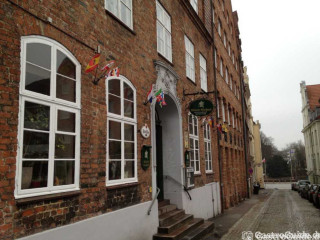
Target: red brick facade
{"x":81,"y":27}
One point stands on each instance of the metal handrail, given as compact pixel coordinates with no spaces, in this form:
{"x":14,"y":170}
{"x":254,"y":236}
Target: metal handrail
{"x":176,"y":181}
{"x":154,"y":199}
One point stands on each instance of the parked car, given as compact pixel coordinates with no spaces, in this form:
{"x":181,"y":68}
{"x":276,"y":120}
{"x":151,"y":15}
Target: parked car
{"x":316,"y":197}
{"x":301,"y":184}
{"x":311,"y":192}
{"x":304,"y":189}
{"x":294,"y":186}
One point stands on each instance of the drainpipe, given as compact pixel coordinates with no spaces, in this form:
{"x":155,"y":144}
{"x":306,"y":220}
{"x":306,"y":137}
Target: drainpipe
{"x":216,"y":99}
{"x":244,"y":126}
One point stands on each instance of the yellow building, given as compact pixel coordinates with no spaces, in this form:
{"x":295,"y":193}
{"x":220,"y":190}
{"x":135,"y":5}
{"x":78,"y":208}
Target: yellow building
{"x":258,"y":175}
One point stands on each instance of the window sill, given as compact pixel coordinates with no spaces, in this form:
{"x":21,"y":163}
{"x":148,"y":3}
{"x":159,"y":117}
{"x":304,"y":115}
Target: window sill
{"x":28,"y":200}
{"x":197,"y":175}
{"x":124,"y":185}
{"x":119,"y":21}
{"x":209,"y":173}
{"x":193,"y":82}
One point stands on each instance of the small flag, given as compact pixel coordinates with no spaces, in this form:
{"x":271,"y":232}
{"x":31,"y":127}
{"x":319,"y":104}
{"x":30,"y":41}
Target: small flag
{"x":93,"y":64}
{"x":263,"y":160}
{"x":219,"y":127}
{"x":224,"y":128}
{"x":108,"y":66}
{"x":158,"y":92}
{"x":150,"y":94}
{"x":114,"y":72}
{"x":210,"y":121}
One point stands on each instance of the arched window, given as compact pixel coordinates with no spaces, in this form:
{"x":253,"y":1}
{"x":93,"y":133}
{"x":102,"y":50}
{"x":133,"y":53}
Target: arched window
{"x":194,"y":143}
{"x":121,"y":131}
{"x":49,"y":122}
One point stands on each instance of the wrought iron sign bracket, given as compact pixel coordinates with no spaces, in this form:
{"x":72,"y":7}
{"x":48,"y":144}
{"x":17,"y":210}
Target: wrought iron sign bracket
{"x":195,"y":93}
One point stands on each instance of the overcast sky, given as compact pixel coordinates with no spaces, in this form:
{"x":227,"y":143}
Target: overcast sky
{"x":281,"y":48}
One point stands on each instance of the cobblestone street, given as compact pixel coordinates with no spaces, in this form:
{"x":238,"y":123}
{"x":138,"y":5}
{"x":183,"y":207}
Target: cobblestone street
{"x":283,"y":211}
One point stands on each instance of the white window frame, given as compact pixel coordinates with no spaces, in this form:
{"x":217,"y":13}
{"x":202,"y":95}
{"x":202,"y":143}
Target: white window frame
{"x":55,"y":104}
{"x":123,"y":120}
{"x":221,"y":67}
{"x":213,"y":13}
{"x":227,"y":76}
{"x":223,"y":112}
{"x":194,"y":138}
{"x":219,"y":27}
{"x":233,"y":57}
{"x":233,"y":119}
{"x":229,"y":49}
{"x":218,"y":110}
{"x":228,"y":112}
{"x":194,"y":4}
{"x":190,"y":66}
{"x":203,"y":73}
{"x":163,"y":30}
{"x":207,"y":147}
{"x":231,"y":81}
{"x":117,"y":12}
{"x":225,"y":39}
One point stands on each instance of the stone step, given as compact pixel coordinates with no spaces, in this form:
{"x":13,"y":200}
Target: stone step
{"x":200,"y":231}
{"x":167,"y":208}
{"x":181,"y":231}
{"x":167,"y":217}
{"x":175,"y":223}
{"x":163,"y":202}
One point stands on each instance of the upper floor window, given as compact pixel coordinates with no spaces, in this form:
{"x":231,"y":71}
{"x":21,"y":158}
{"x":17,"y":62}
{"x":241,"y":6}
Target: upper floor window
{"x":228,"y":111}
{"x":218,"y":108}
{"x":213,"y":14}
{"x":223,"y":112}
{"x":194,"y":4}
{"x":233,"y":57}
{"x":233,"y":119}
{"x":227,"y":18}
{"x":122,"y":9}
{"x":203,"y":73}
{"x":121,"y":129}
{"x":164,"y":32}
{"x":215,"y":57}
{"x":194,"y":143}
{"x":227,"y":75}
{"x":49,"y":122}
{"x":231,"y":82}
{"x":219,"y":27}
{"x":189,"y":59}
{"x":225,"y":39}
{"x":221,"y":67}
{"x":207,"y":147}
{"x":229,"y":49}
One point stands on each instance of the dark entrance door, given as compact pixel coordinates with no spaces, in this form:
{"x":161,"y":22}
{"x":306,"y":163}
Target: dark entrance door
{"x":159,"y":160}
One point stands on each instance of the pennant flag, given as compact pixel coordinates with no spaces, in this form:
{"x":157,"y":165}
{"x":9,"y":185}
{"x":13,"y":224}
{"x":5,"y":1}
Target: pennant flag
{"x":108,"y":66}
{"x":263,"y":160}
{"x":219,"y":127}
{"x":162,"y":102}
{"x":210,"y":121}
{"x":150,"y":94}
{"x":93,"y":64}
{"x":158,"y":92}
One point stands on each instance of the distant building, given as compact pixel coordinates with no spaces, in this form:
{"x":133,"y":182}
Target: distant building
{"x":311,"y":127}
{"x":258,"y":164}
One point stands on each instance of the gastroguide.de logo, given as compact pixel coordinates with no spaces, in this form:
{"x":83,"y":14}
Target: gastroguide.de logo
{"x":248,"y":235}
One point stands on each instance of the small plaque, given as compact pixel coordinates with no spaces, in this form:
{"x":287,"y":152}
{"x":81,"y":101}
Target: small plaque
{"x":145,"y":131}
{"x":145,"y":157}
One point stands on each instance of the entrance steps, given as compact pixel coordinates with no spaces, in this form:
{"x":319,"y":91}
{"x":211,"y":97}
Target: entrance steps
{"x":175,"y":224}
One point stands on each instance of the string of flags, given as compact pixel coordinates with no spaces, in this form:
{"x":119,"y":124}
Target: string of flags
{"x":159,"y":96}
{"x":107,"y":70}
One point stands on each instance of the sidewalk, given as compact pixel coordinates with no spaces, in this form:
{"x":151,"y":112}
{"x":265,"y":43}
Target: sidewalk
{"x":230,"y":216}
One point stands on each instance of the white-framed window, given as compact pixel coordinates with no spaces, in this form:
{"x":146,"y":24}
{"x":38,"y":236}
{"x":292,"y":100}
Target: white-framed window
{"x":215,"y":57}
{"x":121,"y":129}
{"x":237,"y":122}
{"x":229,"y":49}
{"x":223,"y":112}
{"x":218,"y":107}
{"x":221,"y":67}
{"x":194,"y":4}
{"x":164,"y":45}
{"x":227,"y":18}
{"x":235,"y":89}
{"x":227,"y":75}
{"x":207,"y":147}
{"x":233,"y":119}
{"x":203,"y":73}
{"x":225,"y":39}
{"x":48,"y":155}
{"x":228,"y":111}
{"x":194,"y":143}
{"x":219,"y":27}
{"x":213,"y":14}
{"x":222,"y":3}
{"x":231,"y":81}
{"x":122,"y":9}
{"x":233,"y":57}
{"x":189,"y":59}
{"x":237,"y":66}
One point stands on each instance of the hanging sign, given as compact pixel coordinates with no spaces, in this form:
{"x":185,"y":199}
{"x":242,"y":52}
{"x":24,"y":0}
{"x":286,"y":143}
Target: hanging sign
{"x":145,"y":131}
{"x":145,"y":157}
{"x":201,"y":107}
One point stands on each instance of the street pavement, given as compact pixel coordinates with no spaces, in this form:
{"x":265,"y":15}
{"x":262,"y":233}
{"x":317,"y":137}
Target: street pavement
{"x":278,"y":185}
{"x":273,"y":210}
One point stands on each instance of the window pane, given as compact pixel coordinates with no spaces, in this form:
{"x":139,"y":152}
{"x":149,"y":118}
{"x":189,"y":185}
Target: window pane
{"x":37,"y":79}
{"x":112,"y":6}
{"x":36,"y":116}
{"x":128,"y":150}
{"x":114,"y":150}
{"x":66,"y":121}
{"x":65,"y":66}
{"x":190,"y":124}
{"x":66,"y":89}
{"x":191,"y":143}
{"x":114,"y":87}
{"x":39,"y":54}
{"x":63,"y":172}
{"x":34,"y":174}
{"x":128,"y":109}
{"x":35,"y":145}
{"x":114,"y":130}
{"x":65,"y":146}
{"x":125,"y":14}
{"x":129,"y":169}
{"x":114,"y":105}
{"x":114,"y":170}
{"x":128,"y":132}
{"x":127,"y":92}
